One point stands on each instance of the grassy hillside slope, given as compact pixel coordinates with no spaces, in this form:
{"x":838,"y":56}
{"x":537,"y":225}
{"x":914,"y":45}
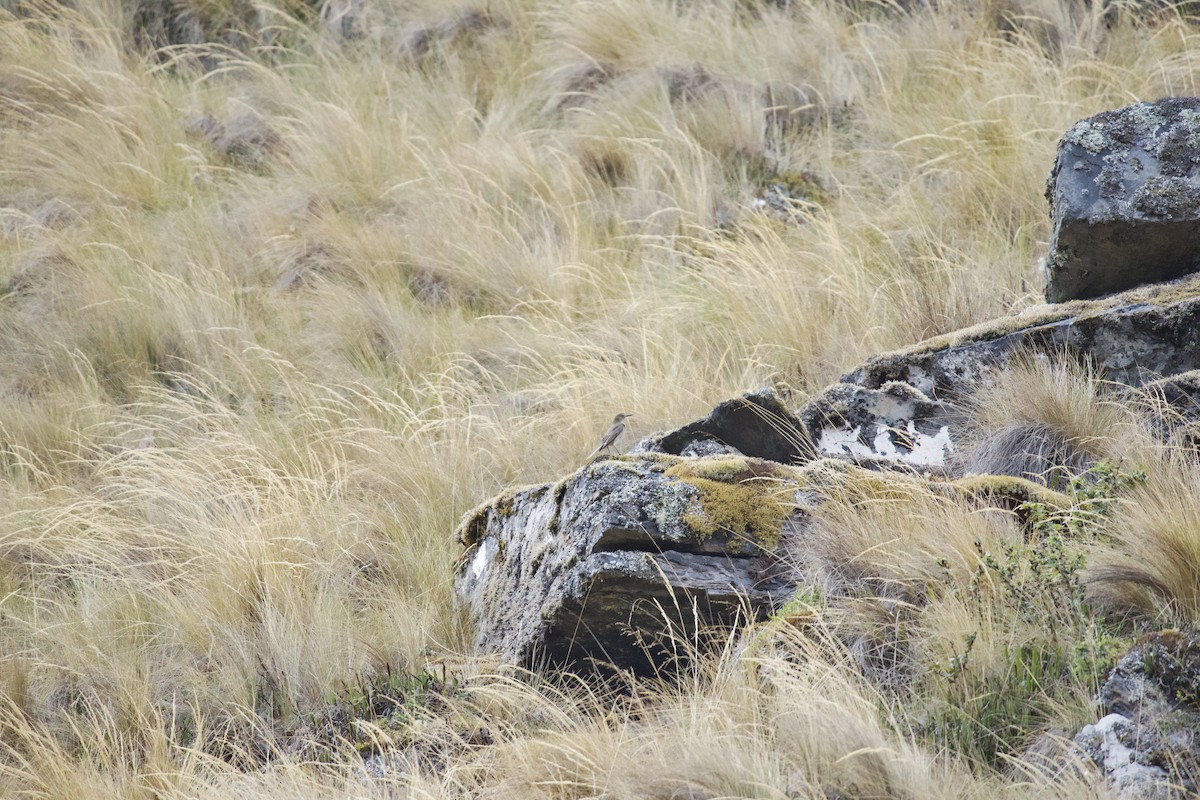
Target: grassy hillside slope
{"x":277,"y":311}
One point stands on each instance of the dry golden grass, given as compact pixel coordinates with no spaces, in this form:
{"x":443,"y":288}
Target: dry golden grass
{"x":975,"y":620}
{"x":278,"y":310}
{"x":1150,"y":568}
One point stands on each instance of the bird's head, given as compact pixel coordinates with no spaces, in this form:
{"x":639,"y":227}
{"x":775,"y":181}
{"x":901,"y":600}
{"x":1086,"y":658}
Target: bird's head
{"x":621,"y":418}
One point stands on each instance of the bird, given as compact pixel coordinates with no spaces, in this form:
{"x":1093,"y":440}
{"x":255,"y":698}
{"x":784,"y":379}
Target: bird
{"x":612,"y":434}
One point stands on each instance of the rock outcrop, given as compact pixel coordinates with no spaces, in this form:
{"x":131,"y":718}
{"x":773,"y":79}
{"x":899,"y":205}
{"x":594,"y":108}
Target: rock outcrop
{"x":622,"y":561}
{"x":1147,"y":744}
{"x":564,"y":572}
{"x":1132,"y":338}
{"x":893,"y":425}
{"x":1125,"y":200}
{"x":600,"y":566}
{"x":901,"y":408}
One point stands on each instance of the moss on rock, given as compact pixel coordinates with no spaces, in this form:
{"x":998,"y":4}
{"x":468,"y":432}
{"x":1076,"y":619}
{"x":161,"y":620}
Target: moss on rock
{"x":737,"y":495}
{"x":1008,"y":487}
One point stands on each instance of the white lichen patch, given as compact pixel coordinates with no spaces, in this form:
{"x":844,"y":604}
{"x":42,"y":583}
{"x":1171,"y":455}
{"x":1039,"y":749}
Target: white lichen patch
{"x":924,"y":450}
{"x":1127,"y":777}
{"x":843,"y":442}
{"x":929,"y":451}
{"x":482,"y":556}
{"x":919,"y":449}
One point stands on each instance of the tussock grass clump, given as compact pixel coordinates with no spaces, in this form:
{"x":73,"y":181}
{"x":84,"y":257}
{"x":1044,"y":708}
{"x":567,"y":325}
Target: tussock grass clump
{"x":1150,"y":569}
{"x":1044,"y":419}
{"x":751,"y":721}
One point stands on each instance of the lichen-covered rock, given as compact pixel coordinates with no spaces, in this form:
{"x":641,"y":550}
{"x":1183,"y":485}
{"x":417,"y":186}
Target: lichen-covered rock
{"x":563,"y":573}
{"x":1132,"y":338}
{"x":598,"y":567}
{"x":757,"y":424}
{"x":1148,"y":742}
{"x":1112,"y":744}
{"x":1125,"y":200}
{"x":895,"y":423}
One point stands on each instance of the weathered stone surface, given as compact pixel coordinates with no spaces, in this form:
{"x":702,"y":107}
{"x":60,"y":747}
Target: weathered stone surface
{"x":597,"y":567}
{"x":1171,"y":407}
{"x":899,"y":409}
{"x":1133,"y":338}
{"x":1110,"y":743}
{"x":561,"y":573}
{"x":1181,"y":392}
{"x":1148,"y":743}
{"x":756,"y":424}
{"x":895,"y":423}
{"x":1125,"y":200}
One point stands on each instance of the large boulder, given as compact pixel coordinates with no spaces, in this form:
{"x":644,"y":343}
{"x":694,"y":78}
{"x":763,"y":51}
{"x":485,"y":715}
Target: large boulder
{"x":620,"y":565}
{"x":1125,"y":200}
{"x":607,"y":564}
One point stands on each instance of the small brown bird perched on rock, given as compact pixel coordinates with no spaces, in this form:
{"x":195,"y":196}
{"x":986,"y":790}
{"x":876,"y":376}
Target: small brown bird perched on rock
{"x":612,"y":434}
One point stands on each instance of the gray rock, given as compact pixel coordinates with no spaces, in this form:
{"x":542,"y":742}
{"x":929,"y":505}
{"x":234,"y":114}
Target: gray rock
{"x":1132,"y":338}
{"x":1147,"y":743}
{"x":1125,"y":200}
{"x":603,"y":565}
{"x":562,"y":573}
{"x":1111,"y":744}
{"x":899,"y":410}
{"x":599,"y":565}
{"x":756,"y":424}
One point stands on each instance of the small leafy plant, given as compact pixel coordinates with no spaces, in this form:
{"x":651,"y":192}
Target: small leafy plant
{"x":1053,"y":650}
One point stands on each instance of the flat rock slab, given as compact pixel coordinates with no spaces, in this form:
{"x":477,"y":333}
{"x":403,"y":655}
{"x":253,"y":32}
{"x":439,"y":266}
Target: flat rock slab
{"x":1133,"y":338}
{"x":562,"y":573}
{"x":1125,"y":200}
